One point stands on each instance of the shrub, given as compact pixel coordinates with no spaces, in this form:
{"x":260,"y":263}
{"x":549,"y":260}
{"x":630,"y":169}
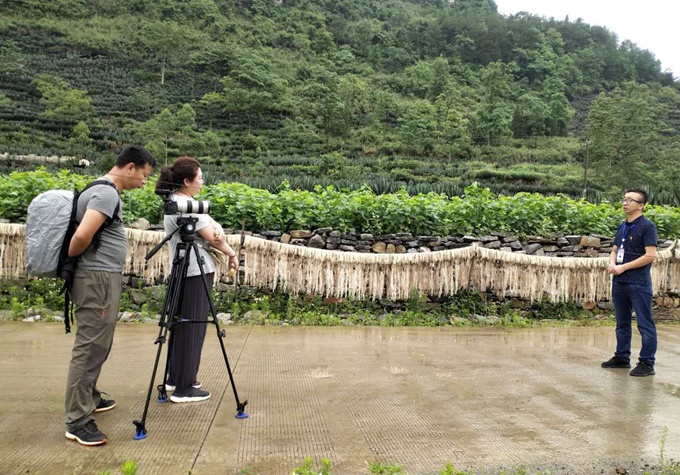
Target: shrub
{"x":478,"y":212}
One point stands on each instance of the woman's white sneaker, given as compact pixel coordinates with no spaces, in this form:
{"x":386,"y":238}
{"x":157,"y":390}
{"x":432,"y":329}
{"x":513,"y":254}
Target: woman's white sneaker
{"x":171,"y":387}
{"x":190,"y":395}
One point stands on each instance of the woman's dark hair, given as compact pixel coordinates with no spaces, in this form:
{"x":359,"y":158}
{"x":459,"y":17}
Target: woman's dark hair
{"x":172,"y":178}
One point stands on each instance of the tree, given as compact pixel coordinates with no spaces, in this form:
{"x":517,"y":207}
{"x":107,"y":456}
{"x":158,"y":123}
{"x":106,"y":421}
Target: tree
{"x":418,"y":126}
{"x":81,"y":140}
{"x":451,"y":121}
{"x":213,"y":60}
{"x":647,"y":67}
{"x":166,"y":130}
{"x":213,"y":106}
{"x":440,"y":78}
{"x":211,"y":144}
{"x":318,"y":101}
{"x":591,"y":63}
{"x":530,"y":116}
{"x":482,"y":6}
{"x":418,"y":79}
{"x":161,"y":128}
{"x":61,"y":101}
{"x":157,"y":132}
{"x":206,"y":144}
{"x":560,"y":112}
{"x":185,"y":119}
{"x":560,"y":115}
{"x":385,"y":106}
{"x":491,"y":122}
{"x":538,"y":59}
{"x":253,"y":90}
{"x":168,"y":39}
{"x":353,"y":94}
{"x":625,"y":129}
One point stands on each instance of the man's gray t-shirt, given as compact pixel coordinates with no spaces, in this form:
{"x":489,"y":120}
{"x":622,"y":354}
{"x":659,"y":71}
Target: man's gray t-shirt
{"x":112,"y":250}
{"x":170,"y":224}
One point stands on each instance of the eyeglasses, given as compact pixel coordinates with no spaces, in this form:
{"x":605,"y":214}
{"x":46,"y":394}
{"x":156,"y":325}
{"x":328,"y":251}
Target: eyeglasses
{"x":627,"y":200}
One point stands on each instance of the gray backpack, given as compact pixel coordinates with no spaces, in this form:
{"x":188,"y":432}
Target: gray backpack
{"x":50,"y":226}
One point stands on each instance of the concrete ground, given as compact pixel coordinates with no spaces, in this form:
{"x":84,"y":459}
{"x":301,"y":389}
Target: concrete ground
{"x":414,"y":397}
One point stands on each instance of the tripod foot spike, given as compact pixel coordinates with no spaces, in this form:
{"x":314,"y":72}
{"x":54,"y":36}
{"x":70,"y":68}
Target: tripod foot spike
{"x":162,"y":393}
{"x":140,"y":431}
{"x":240,"y":410}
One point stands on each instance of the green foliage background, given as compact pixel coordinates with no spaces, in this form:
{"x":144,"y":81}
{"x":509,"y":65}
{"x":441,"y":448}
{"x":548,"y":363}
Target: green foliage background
{"x":478,"y":212}
{"x":427,"y":95}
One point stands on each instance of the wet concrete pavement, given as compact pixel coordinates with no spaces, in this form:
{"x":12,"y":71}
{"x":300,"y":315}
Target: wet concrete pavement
{"x":413,"y":397}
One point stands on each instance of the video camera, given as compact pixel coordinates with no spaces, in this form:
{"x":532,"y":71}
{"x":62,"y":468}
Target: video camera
{"x":184,"y":206}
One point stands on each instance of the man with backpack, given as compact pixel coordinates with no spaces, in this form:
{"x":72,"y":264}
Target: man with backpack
{"x":100,"y":245}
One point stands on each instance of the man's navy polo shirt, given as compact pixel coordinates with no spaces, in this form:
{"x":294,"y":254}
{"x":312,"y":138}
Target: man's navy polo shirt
{"x":638,"y":234}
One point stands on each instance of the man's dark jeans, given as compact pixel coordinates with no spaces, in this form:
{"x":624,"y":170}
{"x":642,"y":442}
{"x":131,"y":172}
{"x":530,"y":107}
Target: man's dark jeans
{"x":629,"y":297}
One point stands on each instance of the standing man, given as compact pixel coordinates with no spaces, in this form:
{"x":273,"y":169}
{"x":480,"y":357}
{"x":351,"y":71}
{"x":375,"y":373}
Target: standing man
{"x":630,"y":263}
{"x":97,"y":287}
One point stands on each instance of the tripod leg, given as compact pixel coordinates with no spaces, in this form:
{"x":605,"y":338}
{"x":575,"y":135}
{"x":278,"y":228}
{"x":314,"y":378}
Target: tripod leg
{"x":240,"y":406}
{"x":173,"y":296}
{"x":162,"y":388}
{"x":167,"y":324}
{"x":140,"y":432}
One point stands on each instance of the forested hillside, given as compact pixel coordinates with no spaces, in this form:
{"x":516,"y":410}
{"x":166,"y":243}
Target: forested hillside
{"x":428,"y":94}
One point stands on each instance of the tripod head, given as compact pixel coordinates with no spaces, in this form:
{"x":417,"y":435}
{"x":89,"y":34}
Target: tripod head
{"x":186,"y":225}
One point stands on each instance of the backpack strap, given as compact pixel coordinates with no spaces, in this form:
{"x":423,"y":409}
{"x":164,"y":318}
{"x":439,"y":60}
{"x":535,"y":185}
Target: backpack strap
{"x":66,"y":265}
{"x":96,"y":239}
{"x":63,"y":253}
{"x":68,"y":309}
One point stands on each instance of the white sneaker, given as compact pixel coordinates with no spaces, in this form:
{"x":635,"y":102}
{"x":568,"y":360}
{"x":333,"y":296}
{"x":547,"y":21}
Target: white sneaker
{"x":190,"y":395}
{"x":171,"y":387}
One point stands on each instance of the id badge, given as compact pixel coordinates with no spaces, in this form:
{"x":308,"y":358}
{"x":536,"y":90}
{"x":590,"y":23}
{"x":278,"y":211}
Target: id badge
{"x":619,"y":255}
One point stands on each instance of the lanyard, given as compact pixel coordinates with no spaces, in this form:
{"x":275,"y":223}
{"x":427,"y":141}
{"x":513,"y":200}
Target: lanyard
{"x":626,"y":230}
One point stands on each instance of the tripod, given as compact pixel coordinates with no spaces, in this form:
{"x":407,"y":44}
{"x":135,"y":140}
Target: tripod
{"x":170,"y":318}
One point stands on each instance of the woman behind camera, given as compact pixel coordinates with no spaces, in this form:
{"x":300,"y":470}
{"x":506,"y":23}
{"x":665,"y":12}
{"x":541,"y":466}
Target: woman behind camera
{"x":185,"y":179}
